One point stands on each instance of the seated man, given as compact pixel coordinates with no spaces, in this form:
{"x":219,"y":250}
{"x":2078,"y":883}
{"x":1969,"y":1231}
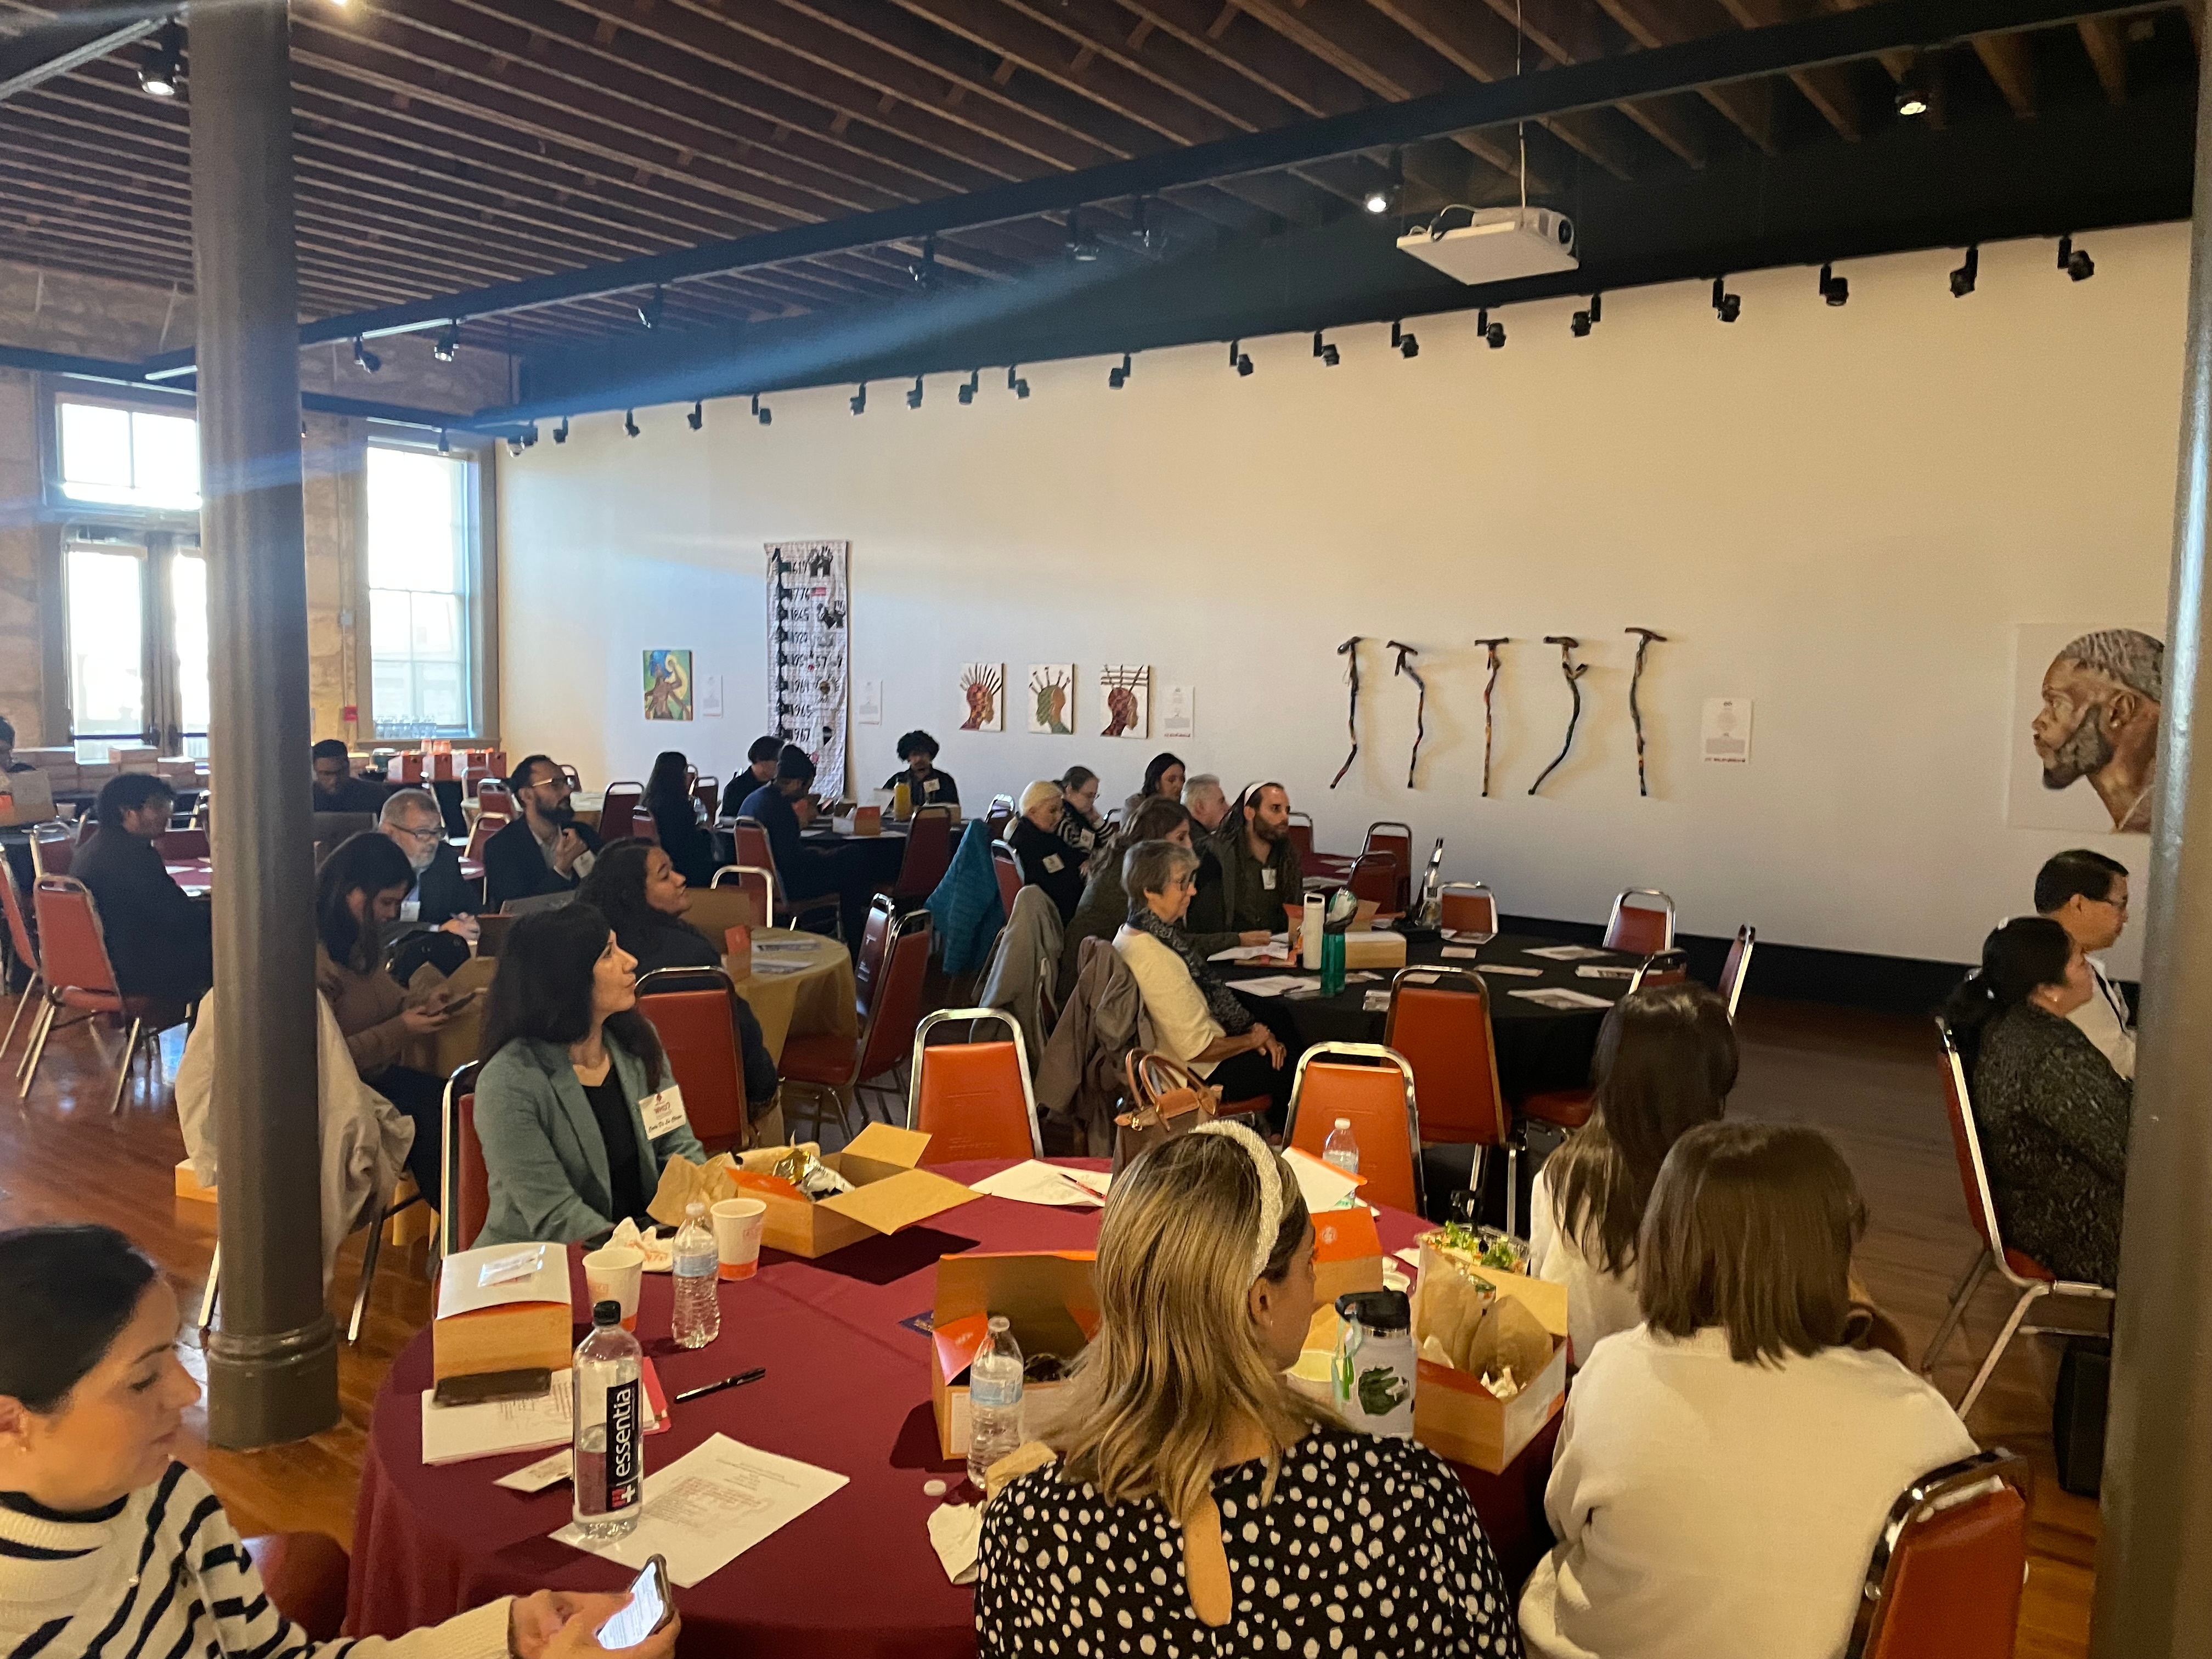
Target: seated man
{"x":2087,"y":894}
{"x":543,"y":851}
{"x":1208,"y":807}
{"x":1260,"y":872}
{"x":441,"y":899}
{"x":759,"y":768}
{"x":337,"y":789}
{"x":158,"y":938}
{"x":8,"y":761}
{"x":801,"y":871}
{"x":1203,"y":799}
{"x":925,"y":784}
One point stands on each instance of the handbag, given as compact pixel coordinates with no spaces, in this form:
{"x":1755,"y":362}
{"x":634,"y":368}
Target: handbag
{"x":1165,"y":1099}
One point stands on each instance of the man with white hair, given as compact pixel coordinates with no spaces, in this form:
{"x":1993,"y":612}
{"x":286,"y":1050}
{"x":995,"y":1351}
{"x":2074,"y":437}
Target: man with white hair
{"x":410,"y":818}
{"x":2099,"y":720}
{"x":1204,"y":799}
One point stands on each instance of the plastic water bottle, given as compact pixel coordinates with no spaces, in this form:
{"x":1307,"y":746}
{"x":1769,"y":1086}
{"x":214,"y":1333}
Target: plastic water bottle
{"x":994,"y":1400}
{"x":696,"y":1264}
{"x":1340,"y":1149}
{"x":610,"y":1428}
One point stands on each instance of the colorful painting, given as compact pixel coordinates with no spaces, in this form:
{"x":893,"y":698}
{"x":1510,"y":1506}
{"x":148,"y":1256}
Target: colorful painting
{"x":1052,"y":699}
{"x":983,"y":696}
{"x":1125,"y":700}
{"x":2084,"y":731}
{"x":668,"y":686}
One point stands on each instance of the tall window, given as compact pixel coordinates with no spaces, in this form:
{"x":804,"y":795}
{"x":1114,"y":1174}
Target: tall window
{"x":137,"y":640}
{"x":421,"y":531}
{"x":129,"y":457}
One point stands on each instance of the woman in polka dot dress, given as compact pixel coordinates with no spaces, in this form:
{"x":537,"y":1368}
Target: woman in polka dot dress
{"x":1191,"y":1501}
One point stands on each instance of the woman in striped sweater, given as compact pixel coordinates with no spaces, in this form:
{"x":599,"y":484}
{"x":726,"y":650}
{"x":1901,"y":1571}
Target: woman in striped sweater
{"x":111,"y":1548}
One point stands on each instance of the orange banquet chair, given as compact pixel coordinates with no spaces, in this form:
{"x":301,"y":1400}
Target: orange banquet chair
{"x":2029,"y":1278}
{"x":495,"y":801}
{"x":1948,"y":1565}
{"x":927,"y":856}
{"x":644,"y":827}
{"x":1737,"y":968}
{"x":1641,"y":927}
{"x":52,"y":847}
{"x":1387,"y":835}
{"x":464,"y":1198}
{"x":708,"y":793}
{"x":755,"y":852}
{"x":1439,"y":1022}
{"x":73,"y":958}
{"x":1006,"y":864}
{"x":482,"y":831}
{"x":758,"y":883}
{"x":972,"y":1099}
{"x":690,"y":1011}
{"x":306,"y":1575}
{"x":19,"y":941}
{"x":824,"y":1064}
{"x":615,"y":808}
{"x":1375,"y":880}
{"x":875,"y":948}
{"x":1301,"y":837}
{"x":1466,"y":907}
{"x":1373,"y":1086}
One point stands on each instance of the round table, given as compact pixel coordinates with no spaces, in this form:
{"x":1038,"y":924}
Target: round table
{"x":870,"y":861}
{"x":847,"y":1389}
{"x":799,"y":982}
{"x":1538,"y":1047}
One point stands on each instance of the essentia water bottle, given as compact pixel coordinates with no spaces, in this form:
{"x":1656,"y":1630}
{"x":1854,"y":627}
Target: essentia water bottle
{"x":610,"y":1428}
{"x":994,"y":1399}
{"x":1340,"y":1149}
{"x":696,"y":1265}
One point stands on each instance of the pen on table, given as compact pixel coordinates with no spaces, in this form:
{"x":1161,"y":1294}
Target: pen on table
{"x":736,"y":1381}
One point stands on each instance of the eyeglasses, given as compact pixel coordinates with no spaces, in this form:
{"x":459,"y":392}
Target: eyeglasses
{"x":2119,"y":904}
{"x":423,"y":832}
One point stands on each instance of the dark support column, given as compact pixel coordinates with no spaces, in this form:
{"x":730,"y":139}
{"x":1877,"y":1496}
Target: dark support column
{"x":272,"y":1364}
{"x":2154,"y":1564}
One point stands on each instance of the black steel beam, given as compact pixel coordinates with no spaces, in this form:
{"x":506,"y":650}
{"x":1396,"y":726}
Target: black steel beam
{"x":1734,"y":55}
{"x":57,"y":45}
{"x":107,"y":371}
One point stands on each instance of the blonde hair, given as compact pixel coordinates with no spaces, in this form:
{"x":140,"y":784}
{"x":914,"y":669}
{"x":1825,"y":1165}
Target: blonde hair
{"x":1177,"y":1367}
{"x":1037,"y":795}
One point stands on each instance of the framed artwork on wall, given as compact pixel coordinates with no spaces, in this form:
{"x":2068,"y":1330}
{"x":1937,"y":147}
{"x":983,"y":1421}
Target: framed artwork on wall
{"x":1125,"y":700}
{"x":1178,"y":711}
{"x":1052,"y":699}
{"x":983,"y":696}
{"x":668,"y":686}
{"x":2082,"y":733}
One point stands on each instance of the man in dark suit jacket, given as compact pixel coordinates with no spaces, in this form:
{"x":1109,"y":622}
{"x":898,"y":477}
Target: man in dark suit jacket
{"x":158,"y":938}
{"x":411,"y":820}
{"x":337,"y":789}
{"x":543,"y":851}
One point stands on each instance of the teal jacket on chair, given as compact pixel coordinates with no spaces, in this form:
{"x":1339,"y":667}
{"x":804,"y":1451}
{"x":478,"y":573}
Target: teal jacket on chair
{"x":543,"y":1151}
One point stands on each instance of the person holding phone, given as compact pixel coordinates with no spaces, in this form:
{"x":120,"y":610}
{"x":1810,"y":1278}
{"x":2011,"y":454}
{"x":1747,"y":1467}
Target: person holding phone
{"x":111,"y":1545}
{"x":357,"y":897}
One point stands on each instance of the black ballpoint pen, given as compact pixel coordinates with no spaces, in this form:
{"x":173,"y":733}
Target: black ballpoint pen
{"x":736,"y":1381}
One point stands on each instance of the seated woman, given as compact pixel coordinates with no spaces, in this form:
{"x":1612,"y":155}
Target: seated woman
{"x":358,"y":893}
{"x":1047,"y":860}
{"x":688,"y":843}
{"x":107,"y":1535}
{"x":1196,"y":1015}
{"x":1724,"y":1469}
{"x":644,"y":896}
{"x":1666,"y":1060}
{"x":574,"y":1105}
{"x":1189,"y":1485}
{"x":1080,"y":825}
{"x":1163,"y":781}
{"x":2052,"y":1112}
{"x":1105,"y":905}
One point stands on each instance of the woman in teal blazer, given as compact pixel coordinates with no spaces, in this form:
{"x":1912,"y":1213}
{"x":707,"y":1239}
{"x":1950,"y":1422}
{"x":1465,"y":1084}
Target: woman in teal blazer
{"x":575,"y":1108}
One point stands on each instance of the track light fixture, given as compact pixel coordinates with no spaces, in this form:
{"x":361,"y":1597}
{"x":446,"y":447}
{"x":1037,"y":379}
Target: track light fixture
{"x":561,"y":432}
{"x":1118,"y":376}
{"x":1386,"y":199}
{"x":1493,"y":332}
{"x":514,"y":444}
{"x":1015,"y":383}
{"x":1325,"y":351}
{"x":1963,"y":279}
{"x":448,"y":345}
{"x":858,"y":403}
{"x":1583,"y":321}
{"x":1913,"y":98}
{"x":1403,"y":339}
{"x":924,"y":271}
{"x":2075,"y":261}
{"x":1836,"y":290}
{"x":1726,"y":305}
{"x":1082,"y":247}
{"x":1239,"y":359}
{"x":530,"y":435}
{"x":763,"y":415}
{"x":697,"y":417}
{"x":365,"y":360}
{"x":162,"y":74}
{"x":914,"y":393}
{"x":968,"y":387}
{"x":649,"y":313}
{"x":629,"y":422}
{"x":444,"y":441}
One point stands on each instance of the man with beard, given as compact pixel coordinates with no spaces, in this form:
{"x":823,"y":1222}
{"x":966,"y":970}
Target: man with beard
{"x":441,"y":899}
{"x":1260,"y":870}
{"x":543,"y":851}
{"x":2099,"y":720}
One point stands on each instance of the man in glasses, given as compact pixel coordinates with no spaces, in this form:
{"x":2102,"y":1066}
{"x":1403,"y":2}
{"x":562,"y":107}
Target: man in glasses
{"x":545,"y":850}
{"x":412,"y":821}
{"x":2087,"y":894}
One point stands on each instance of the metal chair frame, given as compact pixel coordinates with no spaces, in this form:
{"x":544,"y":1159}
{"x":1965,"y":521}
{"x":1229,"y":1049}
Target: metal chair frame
{"x":1470,"y":984}
{"x":1393,"y":830}
{"x":138,"y":1039}
{"x":1668,"y":967}
{"x":21,"y":945}
{"x":1983,"y":1211}
{"x":39,"y":837}
{"x":1481,"y":887}
{"x":610,"y":832}
{"x":931,"y":1022}
{"x":1739,"y":957}
{"x":1666,"y":907}
{"x":741,"y":871}
{"x":661,"y":980}
{"x":370,"y":1251}
{"x":833,"y":903}
{"x":1933,"y":1494}
{"x":1366,"y":1051}
{"x":903,"y":928}
{"x":449,"y":1159}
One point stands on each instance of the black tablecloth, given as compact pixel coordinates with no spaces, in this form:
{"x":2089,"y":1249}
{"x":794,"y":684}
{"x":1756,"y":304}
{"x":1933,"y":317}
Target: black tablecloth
{"x":1537,"y":1047}
{"x":871,"y":861}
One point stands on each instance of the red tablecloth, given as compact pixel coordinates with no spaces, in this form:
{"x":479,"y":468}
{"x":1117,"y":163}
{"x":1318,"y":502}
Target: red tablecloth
{"x":846,"y":1389}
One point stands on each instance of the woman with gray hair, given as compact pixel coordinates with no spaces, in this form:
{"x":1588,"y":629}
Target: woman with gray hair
{"x":1197,"y":1018}
{"x":1047,"y":862}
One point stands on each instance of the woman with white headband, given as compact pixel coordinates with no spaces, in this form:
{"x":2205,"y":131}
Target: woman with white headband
{"x":1195,"y":1501}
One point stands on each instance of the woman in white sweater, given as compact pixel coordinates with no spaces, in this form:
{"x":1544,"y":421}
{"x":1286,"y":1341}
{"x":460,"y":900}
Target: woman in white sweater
{"x":1724,"y":1468}
{"x":1665,"y":1063}
{"x":110,"y":1546}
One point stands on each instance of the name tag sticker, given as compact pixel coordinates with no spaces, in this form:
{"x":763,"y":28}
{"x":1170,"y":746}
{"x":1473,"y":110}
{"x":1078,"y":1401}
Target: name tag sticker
{"x":663,"y":1112}
{"x":1053,"y":864}
{"x":410,"y":909}
{"x":1267,"y":879}
{"x":929,"y":786}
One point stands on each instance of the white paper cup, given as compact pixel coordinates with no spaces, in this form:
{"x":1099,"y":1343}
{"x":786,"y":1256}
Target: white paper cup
{"x":738,"y":1223}
{"x":614,"y":1275}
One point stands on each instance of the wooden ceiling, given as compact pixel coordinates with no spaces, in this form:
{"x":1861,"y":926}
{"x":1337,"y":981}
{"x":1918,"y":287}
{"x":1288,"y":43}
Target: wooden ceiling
{"x":446,"y":145}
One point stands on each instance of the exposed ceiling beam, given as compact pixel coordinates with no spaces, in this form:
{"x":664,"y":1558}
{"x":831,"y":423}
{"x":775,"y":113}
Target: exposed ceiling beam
{"x":2011,"y":65}
{"x":1723,"y":59}
{"x":107,"y":372}
{"x":2106,"y":41}
{"x":49,"y":48}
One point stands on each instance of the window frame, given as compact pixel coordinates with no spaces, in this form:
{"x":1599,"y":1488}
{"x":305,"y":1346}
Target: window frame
{"x":479,"y":605}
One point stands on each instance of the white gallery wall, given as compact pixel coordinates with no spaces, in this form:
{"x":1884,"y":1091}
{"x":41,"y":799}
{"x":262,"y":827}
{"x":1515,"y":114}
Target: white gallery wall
{"x":1843,"y":515}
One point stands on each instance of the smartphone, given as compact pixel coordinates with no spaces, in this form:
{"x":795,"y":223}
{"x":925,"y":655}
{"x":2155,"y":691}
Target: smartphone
{"x":650,"y":1607}
{"x":459,"y":1002}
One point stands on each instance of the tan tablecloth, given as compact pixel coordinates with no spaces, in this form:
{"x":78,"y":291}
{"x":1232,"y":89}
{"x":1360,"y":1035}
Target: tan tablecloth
{"x":816,"y":997}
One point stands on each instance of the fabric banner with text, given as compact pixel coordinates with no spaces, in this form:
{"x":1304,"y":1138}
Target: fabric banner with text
{"x":809,"y":652}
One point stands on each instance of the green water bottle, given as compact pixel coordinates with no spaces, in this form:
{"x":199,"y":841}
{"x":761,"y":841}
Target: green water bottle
{"x":1332,"y":961}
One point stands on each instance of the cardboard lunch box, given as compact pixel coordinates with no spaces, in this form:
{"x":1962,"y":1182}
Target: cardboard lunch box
{"x":1456,"y":1417}
{"x":888,"y":1193}
{"x":25,"y":798}
{"x":1050,"y":1299}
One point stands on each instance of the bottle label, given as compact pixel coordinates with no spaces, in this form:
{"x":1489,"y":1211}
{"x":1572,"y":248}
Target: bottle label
{"x":625,"y":1472}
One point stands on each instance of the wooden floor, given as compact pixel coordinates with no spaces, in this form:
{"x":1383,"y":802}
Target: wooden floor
{"x":1869,"y":1080}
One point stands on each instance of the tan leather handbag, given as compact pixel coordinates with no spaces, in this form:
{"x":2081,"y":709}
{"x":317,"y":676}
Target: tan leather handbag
{"x":1165,"y":1098}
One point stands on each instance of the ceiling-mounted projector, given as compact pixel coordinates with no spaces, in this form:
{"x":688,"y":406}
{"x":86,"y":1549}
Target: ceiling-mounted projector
{"x":1497,"y":244}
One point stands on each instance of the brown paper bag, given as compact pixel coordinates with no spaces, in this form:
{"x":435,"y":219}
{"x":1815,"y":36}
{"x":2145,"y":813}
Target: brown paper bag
{"x":684,"y":1182}
{"x":1452,"y":1308}
{"x":1508,"y":1336}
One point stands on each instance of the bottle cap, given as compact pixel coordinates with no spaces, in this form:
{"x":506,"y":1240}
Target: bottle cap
{"x":998,"y":1321}
{"x":606,"y":1313}
{"x":697,"y":1207}
{"x":1378,"y":1311}
{"x":1344,"y":1123}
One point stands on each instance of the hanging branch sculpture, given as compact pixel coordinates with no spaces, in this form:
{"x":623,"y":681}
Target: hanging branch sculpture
{"x":1574,"y":672}
{"x":1350,"y":649}
{"x":1644,"y":636}
{"x":1489,"y":686}
{"x":1406,"y":655}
